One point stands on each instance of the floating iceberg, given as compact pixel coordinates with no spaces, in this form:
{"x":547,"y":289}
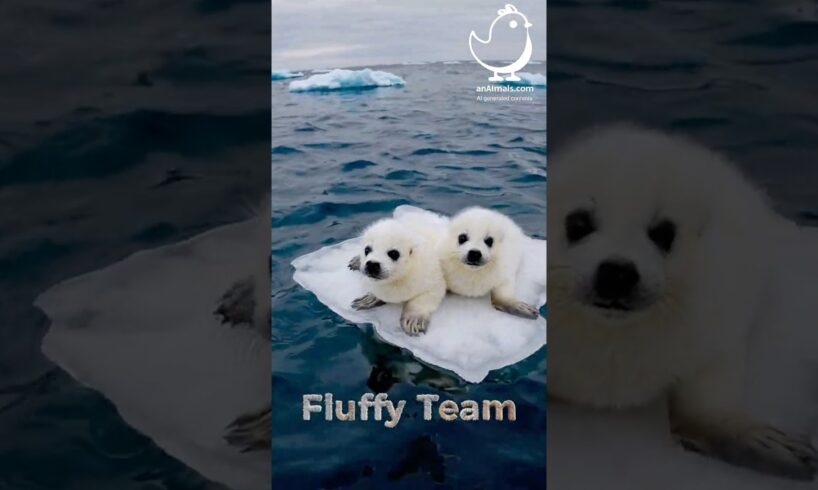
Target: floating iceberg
{"x":527,"y":79}
{"x":466,"y":335}
{"x":284,"y":74}
{"x":346,"y":80}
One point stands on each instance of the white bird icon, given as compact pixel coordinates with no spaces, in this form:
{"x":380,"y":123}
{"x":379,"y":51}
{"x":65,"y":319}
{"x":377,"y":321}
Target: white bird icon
{"x":513,"y":16}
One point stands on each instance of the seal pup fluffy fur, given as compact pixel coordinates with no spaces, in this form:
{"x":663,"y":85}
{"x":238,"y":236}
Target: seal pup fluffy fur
{"x":399,"y":263}
{"x":481,"y":255}
{"x":660,"y":260}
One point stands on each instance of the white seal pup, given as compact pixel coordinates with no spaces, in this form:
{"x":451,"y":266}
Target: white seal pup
{"x":399,"y":263}
{"x":660,"y":258}
{"x":481,"y":255}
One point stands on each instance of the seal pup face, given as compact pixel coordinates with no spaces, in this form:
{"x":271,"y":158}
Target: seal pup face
{"x":387,"y":250}
{"x":475,"y":237}
{"x":619,"y":265}
{"x":627,"y":216}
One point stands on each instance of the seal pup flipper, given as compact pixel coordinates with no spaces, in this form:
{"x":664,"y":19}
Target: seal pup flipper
{"x":244,"y":304}
{"x":516,"y":308}
{"x":252,"y":431}
{"x":237,"y":305}
{"x":758,"y":447}
{"x":502,"y":299}
{"x":414,"y":323}
{"x":417,"y":312}
{"x":355,"y":263}
{"x":706,"y":417}
{"x":367,"y":302}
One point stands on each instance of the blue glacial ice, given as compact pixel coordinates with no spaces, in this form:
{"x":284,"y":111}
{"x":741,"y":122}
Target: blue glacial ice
{"x":528,"y":79}
{"x":346,"y":80}
{"x":285,"y":74}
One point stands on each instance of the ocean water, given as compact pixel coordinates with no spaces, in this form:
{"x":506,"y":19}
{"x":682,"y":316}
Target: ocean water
{"x":341,"y":160}
{"x":736,"y":76}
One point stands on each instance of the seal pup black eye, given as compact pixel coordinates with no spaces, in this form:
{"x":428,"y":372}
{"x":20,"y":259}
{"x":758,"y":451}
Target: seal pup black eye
{"x":463,"y":238}
{"x":393,"y":254}
{"x":578,"y":225}
{"x":489,"y":241}
{"x":367,"y":250}
{"x":663,"y":234}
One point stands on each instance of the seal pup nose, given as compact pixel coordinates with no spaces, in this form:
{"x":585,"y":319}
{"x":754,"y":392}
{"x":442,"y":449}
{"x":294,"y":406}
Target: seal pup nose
{"x":474,"y":257}
{"x":615,"y":279}
{"x":373,"y":269}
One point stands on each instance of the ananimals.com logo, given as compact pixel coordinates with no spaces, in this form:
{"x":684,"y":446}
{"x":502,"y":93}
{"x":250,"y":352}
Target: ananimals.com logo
{"x":507,"y":18}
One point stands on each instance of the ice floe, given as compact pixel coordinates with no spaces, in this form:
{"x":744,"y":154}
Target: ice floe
{"x":339,"y":79}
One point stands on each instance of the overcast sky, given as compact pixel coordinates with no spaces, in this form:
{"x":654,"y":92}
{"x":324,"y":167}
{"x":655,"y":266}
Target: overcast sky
{"x":313,"y":34}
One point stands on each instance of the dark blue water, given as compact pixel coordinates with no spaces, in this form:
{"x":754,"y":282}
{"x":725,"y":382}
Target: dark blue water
{"x":736,"y":76}
{"x":340,"y":161}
